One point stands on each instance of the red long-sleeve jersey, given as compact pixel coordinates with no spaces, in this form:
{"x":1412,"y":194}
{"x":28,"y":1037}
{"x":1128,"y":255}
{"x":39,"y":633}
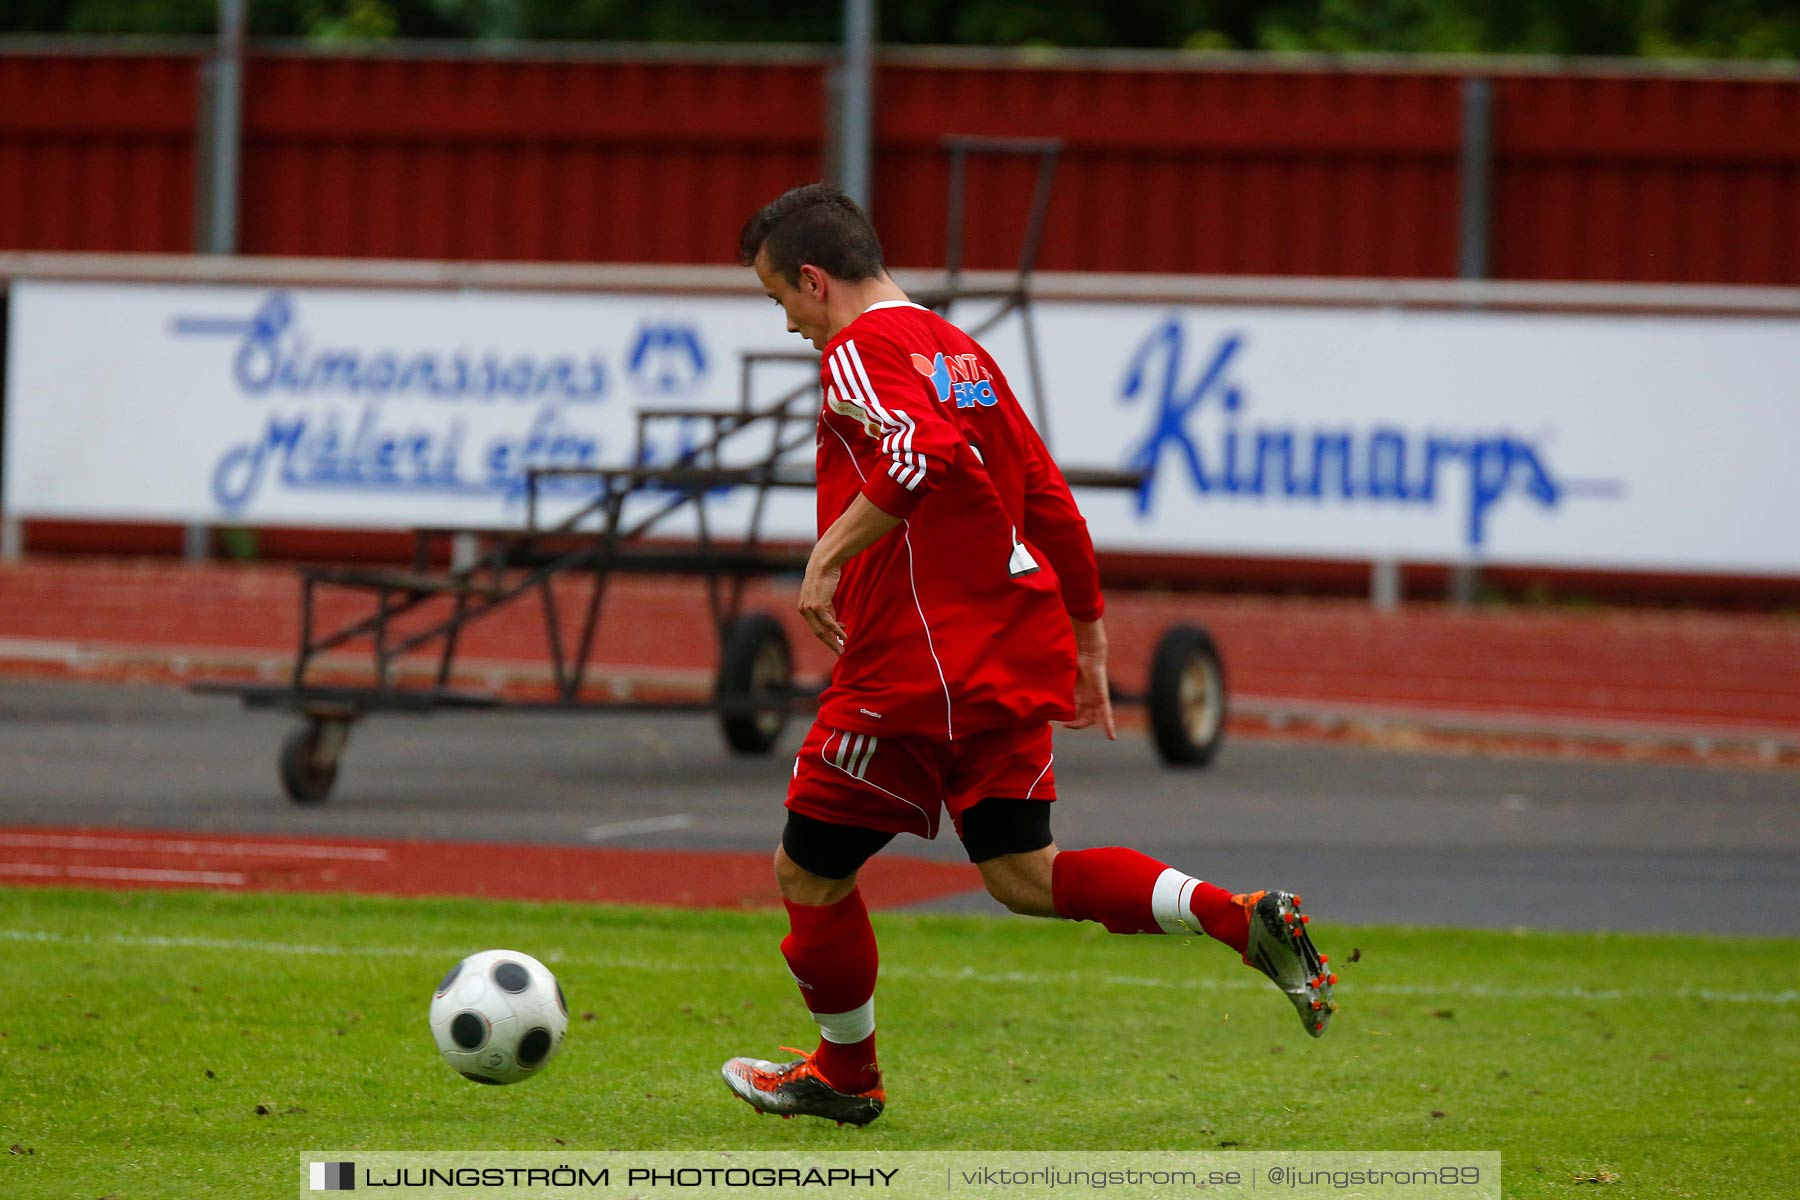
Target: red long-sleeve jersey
{"x":958,"y":620}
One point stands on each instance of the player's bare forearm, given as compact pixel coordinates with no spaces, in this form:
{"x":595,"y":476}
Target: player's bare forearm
{"x":1090,"y":638}
{"x":1093,"y":696}
{"x":861,"y":526}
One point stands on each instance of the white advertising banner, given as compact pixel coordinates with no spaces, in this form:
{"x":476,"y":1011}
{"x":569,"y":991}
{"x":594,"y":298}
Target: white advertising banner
{"x":359,"y":408}
{"x":1582,"y":441}
{"x":1628,"y":442}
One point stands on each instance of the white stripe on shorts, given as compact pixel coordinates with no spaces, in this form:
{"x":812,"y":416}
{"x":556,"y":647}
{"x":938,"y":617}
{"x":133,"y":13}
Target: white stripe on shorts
{"x":861,"y":769}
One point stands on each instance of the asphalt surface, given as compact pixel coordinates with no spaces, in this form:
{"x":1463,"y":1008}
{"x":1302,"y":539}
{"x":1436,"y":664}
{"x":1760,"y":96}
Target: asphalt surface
{"x":1366,"y":835}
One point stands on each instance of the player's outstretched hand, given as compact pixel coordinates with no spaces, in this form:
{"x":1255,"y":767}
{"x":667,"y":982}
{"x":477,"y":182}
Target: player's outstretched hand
{"x":1093,"y":699}
{"x":861,"y":526}
{"x":816,"y":591}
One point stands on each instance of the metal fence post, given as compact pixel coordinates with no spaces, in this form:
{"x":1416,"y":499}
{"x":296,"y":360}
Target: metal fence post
{"x":1465,"y":583}
{"x":1475,"y":174}
{"x":1384,"y":584}
{"x":856,"y":101}
{"x":219,"y":134}
{"x":1475,"y":178}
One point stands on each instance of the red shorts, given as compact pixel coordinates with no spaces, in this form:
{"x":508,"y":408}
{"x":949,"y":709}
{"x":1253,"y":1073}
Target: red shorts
{"x":902,"y":784}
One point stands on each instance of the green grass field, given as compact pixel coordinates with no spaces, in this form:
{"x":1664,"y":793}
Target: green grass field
{"x":190,"y":1045}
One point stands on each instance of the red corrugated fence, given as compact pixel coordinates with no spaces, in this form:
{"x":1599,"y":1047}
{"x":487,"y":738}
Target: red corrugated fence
{"x":1229,"y":170}
{"x":97,"y":152}
{"x":503,"y":159}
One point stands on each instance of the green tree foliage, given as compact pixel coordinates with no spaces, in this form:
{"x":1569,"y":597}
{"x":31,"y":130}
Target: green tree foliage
{"x":1765,"y":29}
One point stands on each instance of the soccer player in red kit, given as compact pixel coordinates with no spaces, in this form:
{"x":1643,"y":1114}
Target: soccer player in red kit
{"x":955,"y":580}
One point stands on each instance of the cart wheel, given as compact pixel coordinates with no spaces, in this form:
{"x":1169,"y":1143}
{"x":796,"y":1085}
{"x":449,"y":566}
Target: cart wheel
{"x":1187,"y":697}
{"x":756,"y":677}
{"x":309,"y":760}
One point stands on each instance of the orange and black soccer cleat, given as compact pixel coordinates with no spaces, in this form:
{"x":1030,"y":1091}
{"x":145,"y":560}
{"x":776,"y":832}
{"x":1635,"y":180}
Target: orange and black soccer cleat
{"x":796,"y":1089}
{"x":1280,"y":949}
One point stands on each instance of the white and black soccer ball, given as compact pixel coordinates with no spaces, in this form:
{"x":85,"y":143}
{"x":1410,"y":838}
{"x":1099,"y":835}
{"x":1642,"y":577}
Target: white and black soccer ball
{"x":499,"y":1016}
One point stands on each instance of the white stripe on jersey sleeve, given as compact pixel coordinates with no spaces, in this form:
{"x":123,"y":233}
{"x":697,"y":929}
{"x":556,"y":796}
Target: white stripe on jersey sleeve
{"x":918,"y":473}
{"x":916,"y":461}
{"x":852,"y":359}
{"x":908,"y":467}
{"x":843,"y":387}
{"x":843,"y":371}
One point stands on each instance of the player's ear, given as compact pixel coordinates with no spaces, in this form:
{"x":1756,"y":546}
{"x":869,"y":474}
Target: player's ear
{"x":812,"y":280}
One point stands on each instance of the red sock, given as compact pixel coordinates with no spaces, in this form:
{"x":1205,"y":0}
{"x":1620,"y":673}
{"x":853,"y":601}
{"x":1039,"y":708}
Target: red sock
{"x":831,"y":951}
{"x":1130,"y":892}
{"x":1223,"y":918}
{"x":1108,"y":884}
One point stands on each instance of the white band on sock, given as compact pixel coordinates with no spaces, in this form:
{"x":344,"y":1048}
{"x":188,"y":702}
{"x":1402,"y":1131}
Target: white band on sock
{"x":848,"y":1028}
{"x":1169,"y":901}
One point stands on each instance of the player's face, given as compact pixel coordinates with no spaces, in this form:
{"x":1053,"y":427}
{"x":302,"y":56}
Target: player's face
{"x":804,"y":303}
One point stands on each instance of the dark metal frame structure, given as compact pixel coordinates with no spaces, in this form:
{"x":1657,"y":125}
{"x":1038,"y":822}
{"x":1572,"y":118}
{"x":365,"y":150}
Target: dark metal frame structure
{"x":501,"y":566}
{"x":1016,"y":297}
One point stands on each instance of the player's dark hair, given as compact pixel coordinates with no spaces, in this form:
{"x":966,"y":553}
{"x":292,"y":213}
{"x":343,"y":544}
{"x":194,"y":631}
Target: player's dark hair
{"x":814,"y":223}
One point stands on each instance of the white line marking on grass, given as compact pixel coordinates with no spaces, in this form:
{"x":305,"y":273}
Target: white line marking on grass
{"x":129,"y":845}
{"x":1451,"y":991}
{"x":205,"y":943}
{"x":927,"y":974}
{"x":618,"y":829}
{"x":123,"y":874}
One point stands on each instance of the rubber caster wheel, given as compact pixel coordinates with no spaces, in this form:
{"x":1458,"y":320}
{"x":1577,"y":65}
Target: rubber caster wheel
{"x":309,"y":760}
{"x":755,"y":684}
{"x":1187,"y":697}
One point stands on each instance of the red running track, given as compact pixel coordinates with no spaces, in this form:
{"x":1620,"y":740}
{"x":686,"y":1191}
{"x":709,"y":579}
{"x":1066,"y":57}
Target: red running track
{"x":1699,"y":670}
{"x":117,"y":858}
